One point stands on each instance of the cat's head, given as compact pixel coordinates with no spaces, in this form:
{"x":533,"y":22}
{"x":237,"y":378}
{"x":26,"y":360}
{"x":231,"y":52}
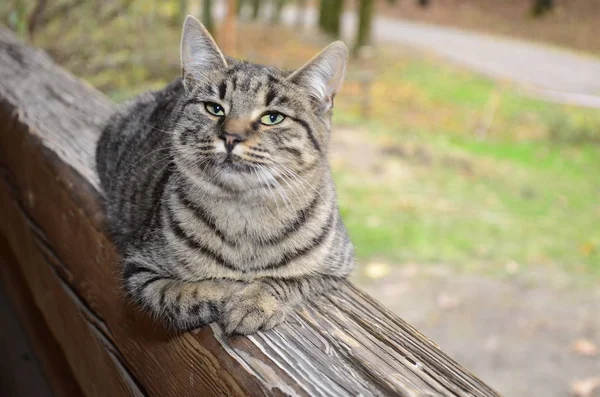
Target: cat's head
{"x":249,"y":125}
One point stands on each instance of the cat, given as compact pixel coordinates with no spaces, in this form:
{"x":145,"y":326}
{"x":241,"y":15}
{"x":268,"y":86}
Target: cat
{"x":218,"y":191}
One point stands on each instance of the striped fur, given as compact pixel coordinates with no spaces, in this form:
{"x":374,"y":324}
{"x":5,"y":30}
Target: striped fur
{"x":223,"y":218}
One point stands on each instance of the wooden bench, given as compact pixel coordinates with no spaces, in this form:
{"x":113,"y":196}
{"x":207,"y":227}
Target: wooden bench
{"x":61,"y":274}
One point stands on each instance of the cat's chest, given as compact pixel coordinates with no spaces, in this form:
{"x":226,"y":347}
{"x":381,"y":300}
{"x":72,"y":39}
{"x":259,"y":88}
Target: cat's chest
{"x":218,"y":238}
{"x":247,"y":223}
{"x":232,"y":223}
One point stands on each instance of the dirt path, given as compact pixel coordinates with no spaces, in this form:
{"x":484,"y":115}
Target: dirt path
{"x":555,"y":74}
{"x":518,"y":336}
{"x":549,"y":71}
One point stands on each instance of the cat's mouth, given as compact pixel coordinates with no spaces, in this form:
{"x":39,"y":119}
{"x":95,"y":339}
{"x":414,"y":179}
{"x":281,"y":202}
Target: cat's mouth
{"x":231,"y":162}
{"x":235,"y":173}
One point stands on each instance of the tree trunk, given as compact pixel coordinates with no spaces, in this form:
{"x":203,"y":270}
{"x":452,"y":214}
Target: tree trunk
{"x":277,"y":9}
{"x":302,"y":7}
{"x":35,"y":17}
{"x":335,"y":17}
{"x":365,"y":17}
{"x":330,"y":14}
{"x":540,"y":7}
{"x":323,"y":15}
{"x":207,"y":17}
{"x":255,"y":9}
{"x":228,"y":29}
{"x":181,"y":13}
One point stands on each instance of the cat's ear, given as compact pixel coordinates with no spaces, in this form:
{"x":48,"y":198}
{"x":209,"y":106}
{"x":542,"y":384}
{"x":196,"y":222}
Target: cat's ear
{"x":322,"y":76}
{"x":199,"y":52}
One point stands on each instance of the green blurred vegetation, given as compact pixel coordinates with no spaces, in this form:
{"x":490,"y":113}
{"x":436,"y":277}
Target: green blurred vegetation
{"x":470,"y":171}
{"x":449,"y":166}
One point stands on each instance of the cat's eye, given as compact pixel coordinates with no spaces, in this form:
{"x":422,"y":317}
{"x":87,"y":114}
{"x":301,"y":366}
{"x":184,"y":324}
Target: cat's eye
{"x":272,"y":118}
{"x":215,"y":109}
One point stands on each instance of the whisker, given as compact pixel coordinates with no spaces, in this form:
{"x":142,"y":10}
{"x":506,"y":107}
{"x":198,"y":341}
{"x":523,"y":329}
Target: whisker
{"x":299,"y":178}
{"x":278,"y":188}
{"x":168,"y":159}
{"x":264,"y":208}
{"x":286,"y":178}
{"x":157,"y":129}
{"x":199,"y":162}
{"x":261,"y":173}
{"x":144,"y":156}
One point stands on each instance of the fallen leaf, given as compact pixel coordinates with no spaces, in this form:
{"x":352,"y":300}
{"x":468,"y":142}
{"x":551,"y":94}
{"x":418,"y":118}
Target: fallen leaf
{"x":587,"y":248}
{"x":585,"y":387}
{"x":585,"y":347}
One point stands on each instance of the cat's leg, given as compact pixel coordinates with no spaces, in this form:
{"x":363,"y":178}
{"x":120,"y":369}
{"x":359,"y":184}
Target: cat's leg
{"x":181,"y":305}
{"x":265,"y":302}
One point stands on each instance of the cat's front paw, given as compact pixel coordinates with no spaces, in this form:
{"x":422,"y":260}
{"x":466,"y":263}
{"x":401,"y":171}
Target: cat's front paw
{"x":252,"y":309}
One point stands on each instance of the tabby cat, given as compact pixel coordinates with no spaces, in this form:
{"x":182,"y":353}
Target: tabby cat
{"x":218,"y":191}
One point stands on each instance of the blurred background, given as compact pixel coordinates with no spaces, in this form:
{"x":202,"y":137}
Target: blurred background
{"x":466,"y":153}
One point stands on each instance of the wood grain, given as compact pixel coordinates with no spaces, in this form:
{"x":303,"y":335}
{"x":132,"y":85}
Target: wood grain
{"x":49,"y":353}
{"x":341,"y":345}
{"x":20,"y":369}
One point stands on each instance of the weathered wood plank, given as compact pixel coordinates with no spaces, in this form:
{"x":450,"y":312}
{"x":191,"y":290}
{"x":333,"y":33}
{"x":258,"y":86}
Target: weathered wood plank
{"x":51,"y":357}
{"x":342,"y":345}
{"x":85,"y":355}
{"x":20,"y":371}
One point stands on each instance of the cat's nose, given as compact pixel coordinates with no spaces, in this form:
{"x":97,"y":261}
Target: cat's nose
{"x":231,"y":140}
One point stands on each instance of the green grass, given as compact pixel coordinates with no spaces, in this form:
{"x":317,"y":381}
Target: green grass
{"x":520,"y":192}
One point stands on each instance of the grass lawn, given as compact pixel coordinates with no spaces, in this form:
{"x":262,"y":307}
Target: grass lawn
{"x":467,"y":171}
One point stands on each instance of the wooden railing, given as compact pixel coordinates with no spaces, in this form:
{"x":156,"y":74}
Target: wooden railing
{"x":61,"y":273}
